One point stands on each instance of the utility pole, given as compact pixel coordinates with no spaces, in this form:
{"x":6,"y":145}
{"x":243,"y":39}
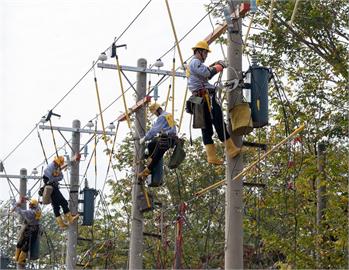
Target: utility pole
{"x":233,"y":196}
{"x":136,"y":238}
{"x":74,"y":196}
{"x":23,"y":186}
{"x":321,"y":196}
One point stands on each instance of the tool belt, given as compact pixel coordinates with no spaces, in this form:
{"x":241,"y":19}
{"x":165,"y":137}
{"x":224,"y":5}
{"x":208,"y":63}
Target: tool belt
{"x":195,"y":105}
{"x":166,"y":141}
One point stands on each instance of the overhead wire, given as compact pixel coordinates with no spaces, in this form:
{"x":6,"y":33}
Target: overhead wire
{"x":74,"y":86}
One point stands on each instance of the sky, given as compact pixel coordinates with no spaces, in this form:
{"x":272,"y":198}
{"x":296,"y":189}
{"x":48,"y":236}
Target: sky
{"x":46,"y":46}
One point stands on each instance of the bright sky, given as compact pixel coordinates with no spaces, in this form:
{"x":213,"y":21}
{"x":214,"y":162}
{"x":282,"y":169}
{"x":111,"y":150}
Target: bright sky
{"x":48,"y":45}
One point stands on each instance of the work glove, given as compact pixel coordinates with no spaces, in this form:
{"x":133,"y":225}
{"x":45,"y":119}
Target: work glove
{"x":222,"y":63}
{"x":142,"y":140}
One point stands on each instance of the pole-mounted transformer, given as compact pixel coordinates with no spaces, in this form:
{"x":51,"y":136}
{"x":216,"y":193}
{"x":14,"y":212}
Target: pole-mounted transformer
{"x":88,"y":205}
{"x":257,"y":79}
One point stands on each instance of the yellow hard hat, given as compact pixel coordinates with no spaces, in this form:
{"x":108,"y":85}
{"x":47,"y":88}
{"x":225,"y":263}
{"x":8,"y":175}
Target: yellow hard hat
{"x":153,"y":107}
{"x":59,"y":160}
{"x":34,"y":202}
{"x":202,"y":44}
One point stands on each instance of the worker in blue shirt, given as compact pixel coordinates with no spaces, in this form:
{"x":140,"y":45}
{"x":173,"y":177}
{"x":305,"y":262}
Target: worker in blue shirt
{"x":52,"y":176}
{"x":30,"y":231}
{"x":198,"y":83}
{"x":162,"y":136}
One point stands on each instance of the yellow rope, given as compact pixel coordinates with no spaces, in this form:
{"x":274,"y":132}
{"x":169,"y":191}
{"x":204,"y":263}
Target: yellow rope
{"x":100,"y":109}
{"x":173,"y":84}
{"x":248,"y":32}
{"x":53,"y":138}
{"x":294,"y":12}
{"x":174,"y":33}
{"x":168,"y":96}
{"x":183,"y":107}
{"x":242,"y":173}
{"x":123,"y":92}
{"x":271,"y":13}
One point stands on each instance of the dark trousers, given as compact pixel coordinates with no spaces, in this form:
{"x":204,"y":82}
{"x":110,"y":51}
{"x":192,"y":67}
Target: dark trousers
{"x":30,"y":233}
{"x":58,"y":201}
{"x":217,"y":121}
{"x":158,"y":147}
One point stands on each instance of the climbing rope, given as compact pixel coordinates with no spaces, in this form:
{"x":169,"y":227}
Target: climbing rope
{"x":99,"y":105}
{"x":123,"y":92}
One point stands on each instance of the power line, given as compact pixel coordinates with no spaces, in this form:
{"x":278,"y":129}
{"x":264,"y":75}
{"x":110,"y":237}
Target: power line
{"x":22,"y":141}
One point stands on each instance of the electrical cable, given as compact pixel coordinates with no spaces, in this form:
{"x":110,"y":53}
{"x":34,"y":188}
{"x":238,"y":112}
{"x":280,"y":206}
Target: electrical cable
{"x":84,"y":75}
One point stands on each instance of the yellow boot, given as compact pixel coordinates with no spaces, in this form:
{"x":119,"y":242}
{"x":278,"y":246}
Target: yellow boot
{"x":211,"y":155}
{"x":61,"y":223}
{"x":144,"y":173}
{"x":18,"y":251}
{"x":232,"y":149}
{"x":70,"y":218}
{"x":21,"y":258}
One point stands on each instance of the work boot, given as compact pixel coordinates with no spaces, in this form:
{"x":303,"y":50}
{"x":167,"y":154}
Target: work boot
{"x":61,"y":223}
{"x":232,"y":149}
{"x":144,"y":173}
{"x":18,"y":251}
{"x":70,"y":218}
{"x":21,"y":258}
{"x":212,"y":155}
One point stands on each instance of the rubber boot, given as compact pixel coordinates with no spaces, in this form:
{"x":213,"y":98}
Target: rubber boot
{"x":21,"y":258}
{"x":18,"y":251}
{"x":61,"y":223}
{"x":232,"y":149}
{"x":70,"y":218}
{"x":144,"y":173}
{"x":212,"y":155}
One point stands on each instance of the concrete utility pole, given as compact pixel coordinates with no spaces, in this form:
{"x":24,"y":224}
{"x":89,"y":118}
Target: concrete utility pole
{"x":321,"y":195}
{"x":74,"y":184}
{"x":74,"y":196}
{"x":23,"y":186}
{"x":136,"y":238}
{"x":233,"y":196}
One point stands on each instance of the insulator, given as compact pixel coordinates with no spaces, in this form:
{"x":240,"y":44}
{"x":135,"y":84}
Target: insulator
{"x":111,"y":126}
{"x":90,"y":124}
{"x":43,"y":119}
{"x":34,"y":171}
{"x":159,"y":63}
{"x":156,"y":92}
{"x":102,"y":57}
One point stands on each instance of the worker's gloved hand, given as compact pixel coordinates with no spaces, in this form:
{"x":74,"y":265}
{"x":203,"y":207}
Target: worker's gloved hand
{"x":141,"y":140}
{"x":222,"y":63}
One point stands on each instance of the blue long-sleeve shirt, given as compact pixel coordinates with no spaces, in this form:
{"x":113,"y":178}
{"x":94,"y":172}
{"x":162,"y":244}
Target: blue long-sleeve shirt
{"x":31,"y":216}
{"x":53,"y":172}
{"x":161,"y":125}
{"x":199,"y":75}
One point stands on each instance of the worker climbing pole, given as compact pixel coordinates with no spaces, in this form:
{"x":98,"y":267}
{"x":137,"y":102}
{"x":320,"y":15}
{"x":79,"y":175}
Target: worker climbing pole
{"x":203,"y":105}
{"x":162,"y":137}
{"x":52,"y":176}
{"x":30,"y":231}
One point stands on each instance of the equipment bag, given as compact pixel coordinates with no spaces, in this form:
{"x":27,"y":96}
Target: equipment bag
{"x":199,"y":117}
{"x":178,"y":155}
{"x":46,"y":196}
{"x":34,"y":250}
